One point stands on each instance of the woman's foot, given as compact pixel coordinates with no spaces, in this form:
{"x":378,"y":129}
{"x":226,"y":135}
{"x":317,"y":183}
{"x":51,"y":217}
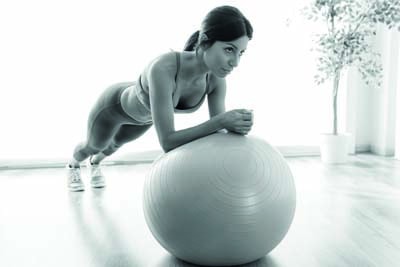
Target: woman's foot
{"x":97,"y":178}
{"x":75,"y":183}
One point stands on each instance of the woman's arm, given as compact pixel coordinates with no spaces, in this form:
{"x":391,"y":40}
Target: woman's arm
{"x":161,"y":86}
{"x":216,"y":97}
{"x":241,"y":120}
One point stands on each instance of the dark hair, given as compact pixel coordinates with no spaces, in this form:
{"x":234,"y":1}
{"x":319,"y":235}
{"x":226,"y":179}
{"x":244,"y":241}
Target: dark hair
{"x":224,"y":23}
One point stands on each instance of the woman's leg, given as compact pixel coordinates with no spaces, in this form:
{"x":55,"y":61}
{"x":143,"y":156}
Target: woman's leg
{"x":101,"y":131}
{"x":105,"y":119}
{"x":96,"y":159}
{"x":100,"y":135}
{"x":126,"y":133}
{"x":103,"y":123}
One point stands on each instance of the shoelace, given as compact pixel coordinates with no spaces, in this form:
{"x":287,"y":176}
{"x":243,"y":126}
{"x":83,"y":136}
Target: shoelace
{"x":96,"y":171}
{"x":75,"y":176}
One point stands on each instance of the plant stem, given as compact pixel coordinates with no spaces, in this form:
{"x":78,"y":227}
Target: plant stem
{"x":332,"y":18}
{"x":337,"y":72}
{"x":335,"y":94}
{"x":361,"y":19}
{"x":363,"y":16}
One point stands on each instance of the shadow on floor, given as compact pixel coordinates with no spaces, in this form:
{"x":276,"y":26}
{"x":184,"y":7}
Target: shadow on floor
{"x":103,"y":242}
{"x":171,"y":261}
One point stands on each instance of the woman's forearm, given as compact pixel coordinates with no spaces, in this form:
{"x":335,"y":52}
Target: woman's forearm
{"x":187,"y":135}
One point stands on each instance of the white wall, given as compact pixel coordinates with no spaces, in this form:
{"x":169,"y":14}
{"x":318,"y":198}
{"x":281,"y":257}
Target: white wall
{"x":397,"y":132}
{"x":383,"y":101}
{"x":358,"y":113}
{"x":371,"y":112}
{"x":57,"y":57}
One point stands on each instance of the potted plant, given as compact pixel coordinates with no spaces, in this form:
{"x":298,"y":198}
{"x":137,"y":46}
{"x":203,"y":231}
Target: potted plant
{"x":350,"y":28}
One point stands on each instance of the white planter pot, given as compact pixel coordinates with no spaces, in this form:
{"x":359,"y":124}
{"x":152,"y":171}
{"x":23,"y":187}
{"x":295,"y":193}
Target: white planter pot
{"x":334,"y":148}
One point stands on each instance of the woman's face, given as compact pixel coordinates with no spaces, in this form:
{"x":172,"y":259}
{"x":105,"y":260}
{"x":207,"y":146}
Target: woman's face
{"x":222,"y":57}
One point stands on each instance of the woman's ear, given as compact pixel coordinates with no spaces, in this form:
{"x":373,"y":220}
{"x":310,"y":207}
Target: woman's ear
{"x":203,"y":37}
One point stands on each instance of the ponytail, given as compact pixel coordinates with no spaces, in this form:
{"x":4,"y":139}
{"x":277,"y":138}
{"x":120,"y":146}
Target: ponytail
{"x":224,"y":23}
{"x":191,"y":43}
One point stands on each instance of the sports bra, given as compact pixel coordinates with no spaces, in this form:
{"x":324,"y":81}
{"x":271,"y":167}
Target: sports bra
{"x":144,"y":98}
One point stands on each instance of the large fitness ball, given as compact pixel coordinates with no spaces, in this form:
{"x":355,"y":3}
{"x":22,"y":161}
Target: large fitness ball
{"x":224,"y":199}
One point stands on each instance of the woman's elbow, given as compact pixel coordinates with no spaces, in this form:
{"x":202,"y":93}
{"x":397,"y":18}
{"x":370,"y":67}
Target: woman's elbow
{"x":166,"y":149}
{"x":169,"y":142}
{"x":166,"y":145}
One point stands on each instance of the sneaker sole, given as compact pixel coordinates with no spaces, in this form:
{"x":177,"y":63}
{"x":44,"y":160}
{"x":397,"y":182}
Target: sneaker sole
{"x":98,"y":185}
{"x":76,"y":189}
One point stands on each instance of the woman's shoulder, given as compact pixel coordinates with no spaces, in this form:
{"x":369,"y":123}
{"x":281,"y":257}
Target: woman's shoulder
{"x":165,"y":61}
{"x":162,"y":68}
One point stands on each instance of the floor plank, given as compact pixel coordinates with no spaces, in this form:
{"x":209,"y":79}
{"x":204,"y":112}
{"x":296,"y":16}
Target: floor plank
{"x":346,"y":215}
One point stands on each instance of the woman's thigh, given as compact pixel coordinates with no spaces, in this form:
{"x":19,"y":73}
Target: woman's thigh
{"x":102,"y":130}
{"x":127,"y":133}
{"x":105,"y":118}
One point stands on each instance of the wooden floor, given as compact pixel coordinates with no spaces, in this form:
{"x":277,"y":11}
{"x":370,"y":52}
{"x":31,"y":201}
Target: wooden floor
{"x":347,"y":215}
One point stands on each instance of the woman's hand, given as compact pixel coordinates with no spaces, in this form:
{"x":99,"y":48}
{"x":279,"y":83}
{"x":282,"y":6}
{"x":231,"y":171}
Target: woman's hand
{"x":238,"y":121}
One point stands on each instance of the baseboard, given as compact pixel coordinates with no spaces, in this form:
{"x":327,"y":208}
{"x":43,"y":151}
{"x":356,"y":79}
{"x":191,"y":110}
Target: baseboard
{"x":363,"y":148}
{"x":298,"y":151}
{"x":382,"y":151}
{"x":147,"y":157}
{"x":144,"y":157}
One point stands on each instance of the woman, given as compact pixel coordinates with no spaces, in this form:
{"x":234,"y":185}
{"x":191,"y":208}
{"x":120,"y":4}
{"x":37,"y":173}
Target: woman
{"x":173,"y":82}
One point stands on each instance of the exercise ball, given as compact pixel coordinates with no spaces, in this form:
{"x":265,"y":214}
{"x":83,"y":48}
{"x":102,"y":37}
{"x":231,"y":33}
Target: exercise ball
{"x":224,"y":199}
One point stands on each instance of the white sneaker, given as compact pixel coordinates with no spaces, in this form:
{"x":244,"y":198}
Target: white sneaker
{"x":74,"y":179}
{"x":97,"y":178}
